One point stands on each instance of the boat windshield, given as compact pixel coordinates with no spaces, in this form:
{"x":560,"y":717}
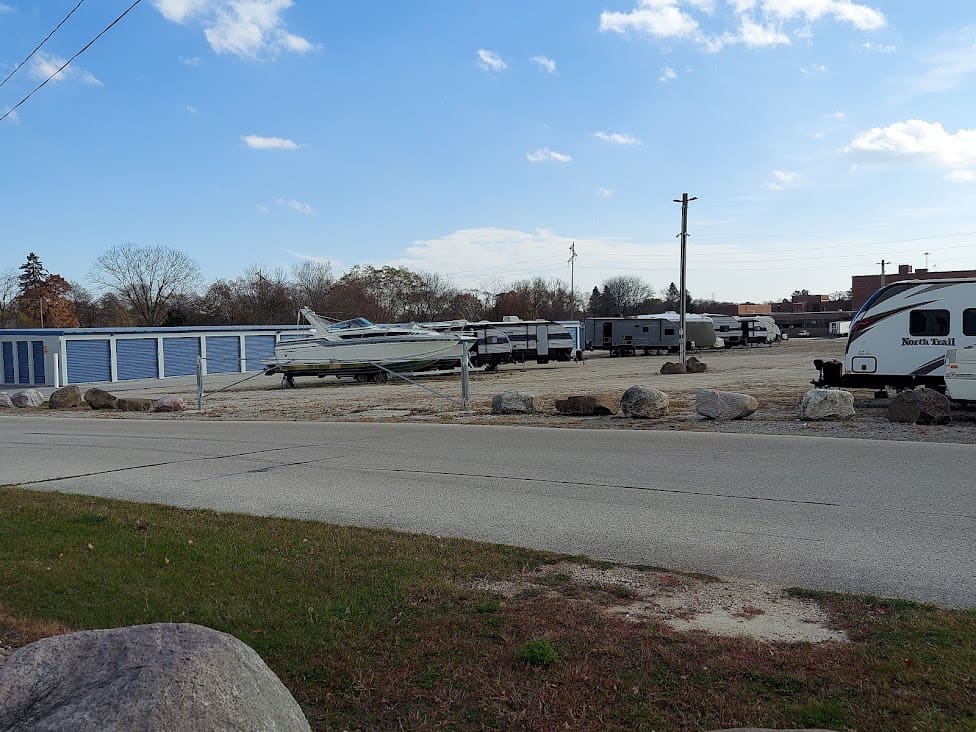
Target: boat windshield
{"x":354,"y":323}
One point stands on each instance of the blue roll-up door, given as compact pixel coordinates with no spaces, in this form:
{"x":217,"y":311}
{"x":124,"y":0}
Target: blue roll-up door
{"x":8,"y":362}
{"x":37,"y":351}
{"x":180,"y":356}
{"x":135,"y":358}
{"x":258,"y":347}
{"x":223,"y":354}
{"x":23,"y":362}
{"x":88,"y":361}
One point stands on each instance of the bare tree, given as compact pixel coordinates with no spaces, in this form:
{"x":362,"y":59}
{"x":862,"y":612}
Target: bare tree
{"x":146,"y":279}
{"x":9,"y":288}
{"x":623,"y":295}
{"x":312,"y":282}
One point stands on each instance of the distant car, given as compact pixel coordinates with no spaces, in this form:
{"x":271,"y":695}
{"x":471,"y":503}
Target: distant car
{"x":803,"y":334}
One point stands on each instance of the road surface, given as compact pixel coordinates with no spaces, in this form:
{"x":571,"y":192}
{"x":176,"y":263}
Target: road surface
{"x":887,"y":518}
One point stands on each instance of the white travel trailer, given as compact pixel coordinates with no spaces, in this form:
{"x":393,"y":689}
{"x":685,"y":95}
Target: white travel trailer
{"x":960,"y":375}
{"x":900,"y":336}
{"x":840,"y":328}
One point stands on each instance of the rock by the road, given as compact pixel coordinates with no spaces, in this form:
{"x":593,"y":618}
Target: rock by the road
{"x":673,"y":367}
{"x":167,"y":676}
{"x":919,"y":406}
{"x":67,"y":397}
{"x":134,"y":404}
{"x":170,"y":403}
{"x":583,"y":405}
{"x":722,"y":405}
{"x":694,"y":366}
{"x":513,"y":402}
{"x":820,"y":404}
{"x":5,"y":402}
{"x":644,"y":402}
{"x":100,"y":399}
{"x":27,"y":398}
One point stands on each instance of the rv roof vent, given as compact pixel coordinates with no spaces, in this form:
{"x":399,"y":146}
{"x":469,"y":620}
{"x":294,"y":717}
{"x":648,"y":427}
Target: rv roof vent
{"x":510,"y":318}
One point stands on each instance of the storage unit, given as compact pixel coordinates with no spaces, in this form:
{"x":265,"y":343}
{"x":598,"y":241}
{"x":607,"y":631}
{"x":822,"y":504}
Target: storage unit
{"x":180,"y":356}
{"x":89,"y":360}
{"x":223,"y":354}
{"x":137,"y":358}
{"x":257,"y":347}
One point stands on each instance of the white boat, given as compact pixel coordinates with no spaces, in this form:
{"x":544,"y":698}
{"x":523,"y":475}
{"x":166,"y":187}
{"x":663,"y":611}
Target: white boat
{"x":365,"y":351}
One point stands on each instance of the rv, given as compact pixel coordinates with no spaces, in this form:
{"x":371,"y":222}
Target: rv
{"x":901,"y":334}
{"x":625,"y":336}
{"x":700,"y":329}
{"x":728,"y":328}
{"x":840,"y":328}
{"x":771,"y":332}
{"x":492,"y":347}
{"x":960,"y":374}
{"x":539,"y":340}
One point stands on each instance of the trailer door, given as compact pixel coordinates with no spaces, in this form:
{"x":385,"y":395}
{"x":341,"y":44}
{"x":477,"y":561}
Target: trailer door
{"x":607,"y":333}
{"x":542,"y":340}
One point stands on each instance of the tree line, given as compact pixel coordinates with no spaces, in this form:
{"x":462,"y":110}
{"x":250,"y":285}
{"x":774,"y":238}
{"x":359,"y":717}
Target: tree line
{"x":158,"y":286}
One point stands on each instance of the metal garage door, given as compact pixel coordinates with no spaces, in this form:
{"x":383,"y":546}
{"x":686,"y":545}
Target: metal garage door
{"x":23,"y":362}
{"x":223,"y":354}
{"x":88,"y":361}
{"x":8,"y":362}
{"x":258,"y":347}
{"x":37,"y":351}
{"x":135,"y":358}
{"x":180,"y":356}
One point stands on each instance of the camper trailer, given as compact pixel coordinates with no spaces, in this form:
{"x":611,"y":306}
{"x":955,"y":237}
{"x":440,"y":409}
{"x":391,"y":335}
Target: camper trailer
{"x":700,"y":329}
{"x":840,"y":328}
{"x":901,"y":334}
{"x":728,"y":328}
{"x":492,"y":347}
{"x":539,"y":340}
{"x":960,"y":374}
{"x":625,"y":336}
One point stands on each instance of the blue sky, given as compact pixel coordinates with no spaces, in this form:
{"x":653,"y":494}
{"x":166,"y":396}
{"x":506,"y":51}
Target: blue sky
{"x":478,"y":139}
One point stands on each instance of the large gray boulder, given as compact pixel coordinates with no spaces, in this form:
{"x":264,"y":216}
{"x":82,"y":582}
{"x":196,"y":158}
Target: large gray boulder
{"x":919,"y":406}
{"x":721,"y":405}
{"x":513,"y":402}
{"x":818,"y":404}
{"x":582,"y":405}
{"x":169,"y":403}
{"x":673,"y":367}
{"x":167,"y":676}
{"x":67,"y":397}
{"x":100,"y":399}
{"x":27,"y":398}
{"x":5,"y":402}
{"x":644,"y":402}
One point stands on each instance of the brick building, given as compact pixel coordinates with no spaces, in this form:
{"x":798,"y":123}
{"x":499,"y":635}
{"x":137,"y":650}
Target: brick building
{"x":863,"y":286}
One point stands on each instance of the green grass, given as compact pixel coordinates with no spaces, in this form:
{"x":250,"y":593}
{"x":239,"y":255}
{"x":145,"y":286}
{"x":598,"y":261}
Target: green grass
{"x":377,"y":629}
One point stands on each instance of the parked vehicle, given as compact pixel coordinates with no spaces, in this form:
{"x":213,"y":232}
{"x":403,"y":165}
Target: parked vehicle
{"x":492,"y":346}
{"x":700,"y":330}
{"x":900,"y":336}
{"x":539,"y":340}
{"x":803,"y":334}
{"x":624,"y":336}
{"x":840,"y":328}
{"x":960,"y":374}
{"x":728,"y":328}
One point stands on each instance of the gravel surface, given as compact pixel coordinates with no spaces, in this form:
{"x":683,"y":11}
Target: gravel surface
{"x":777,"y":376}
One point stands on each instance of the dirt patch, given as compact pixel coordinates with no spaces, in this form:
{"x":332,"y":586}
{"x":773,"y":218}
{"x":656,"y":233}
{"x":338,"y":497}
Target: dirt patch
{"x":731,"y":608}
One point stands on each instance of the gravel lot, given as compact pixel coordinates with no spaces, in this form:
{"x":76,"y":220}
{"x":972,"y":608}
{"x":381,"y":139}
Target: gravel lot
{"x":777,"y":376}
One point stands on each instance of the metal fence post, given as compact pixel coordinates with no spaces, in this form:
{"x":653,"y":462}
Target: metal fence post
{"x":199,"y":383}
{"x":465,"y":381}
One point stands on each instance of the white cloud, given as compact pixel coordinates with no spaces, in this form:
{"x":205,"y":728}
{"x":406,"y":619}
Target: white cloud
{"x":257,"y":142}
{"x":490,"y":61}
{"x":838,"y":115}
{"x":617,"y":138}
{"x":4,"y":8}
{"x":296,"y":206}
{"x":917,"y":139}
{"x":860,"y":16}
{"x":667,"y":74}
{"x":961,"y":176}
{"x":191,"y":61}
{"x":878,"y":47}
{"x":813,"y":70}
{"x":263,"y":209}
{"x":946,"y":69}
{"x":606,"y":192}
{"x":189,"y":108}
{"x":754,"y":35}
{"x":782,"y":179}
{"x":545,"y":63}
{"x":656,"y":18}
{"x":248,"y":29}
{"x":544,"y":154}
{"x":43,"y":65}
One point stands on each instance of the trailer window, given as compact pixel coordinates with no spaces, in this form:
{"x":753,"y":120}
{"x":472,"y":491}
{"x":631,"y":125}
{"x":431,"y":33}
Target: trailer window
{"x":928,"y":323}
{"x":969,"y":321}
{"x":669,"y":331}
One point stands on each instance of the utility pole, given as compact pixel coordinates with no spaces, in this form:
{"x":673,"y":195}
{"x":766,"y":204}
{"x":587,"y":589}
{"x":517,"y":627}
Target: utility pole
{"x":572,"y":272}
{"x":684,"y":201}
{"x":40,"y":305}
{"x":883,"y":263}
{"x":926,"y":261}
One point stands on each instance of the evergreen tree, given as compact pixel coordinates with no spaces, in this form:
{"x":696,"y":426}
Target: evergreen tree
{"x":672,"y":295}
{"x":32,"y":273}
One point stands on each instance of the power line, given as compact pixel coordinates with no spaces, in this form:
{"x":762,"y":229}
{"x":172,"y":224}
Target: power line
{"x":38,"y":46}
{"x":88,"y":45}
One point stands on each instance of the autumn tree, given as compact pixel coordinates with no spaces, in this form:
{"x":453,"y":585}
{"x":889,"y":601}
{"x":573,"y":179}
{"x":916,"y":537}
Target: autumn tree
{"x":148,"y":279}
{"x":43,"y":298}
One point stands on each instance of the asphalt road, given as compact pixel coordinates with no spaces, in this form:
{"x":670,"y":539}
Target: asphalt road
{"x":888,"y":518}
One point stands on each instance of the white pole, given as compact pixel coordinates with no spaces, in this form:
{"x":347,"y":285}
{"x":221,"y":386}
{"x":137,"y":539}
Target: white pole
{"x":199,"y":384}
{"x":57,"y":371}
{"x":465,"y":380}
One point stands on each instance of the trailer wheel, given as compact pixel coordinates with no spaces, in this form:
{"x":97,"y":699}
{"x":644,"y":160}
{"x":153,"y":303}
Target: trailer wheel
{"x":361,"y":378}
{"x":542,"y":360}
{"x":379,"y":377}
{"x":288,"y":381}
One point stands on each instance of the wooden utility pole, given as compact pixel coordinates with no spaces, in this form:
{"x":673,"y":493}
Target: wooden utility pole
{"x":572,"y":272}
{"x":883,"y":263}
{"x":682,"y":315}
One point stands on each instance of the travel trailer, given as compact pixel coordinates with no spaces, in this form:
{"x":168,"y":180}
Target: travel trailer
{"x":901,"y":334}
{"x":492,"y":346}
{"x":728,"y":328}
{"x":960,"y":374}
{"x":538,"y":340}
{"x":840,"y":328}
{"x":700,"y":329}
{"x":624,"y":336}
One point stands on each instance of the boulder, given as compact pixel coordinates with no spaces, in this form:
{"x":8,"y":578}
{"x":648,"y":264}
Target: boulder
{"x":100,"y":399}
{"x":827,"y":404}
{"x":167,"y":676}
{"x":5,"y":402}
{"x":919,"y":406}
{"x":513,"y":402}
{"x":134,"y":404}
{"x":694,"y":366}
{"x":721,"y":405}
{"x":27,"y":398}
{"x":169,"y":403}
{"x":586,"y":406}
{"x":644,"y":402}
{"x":673,"y":367}
{"x":67,"y":397}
